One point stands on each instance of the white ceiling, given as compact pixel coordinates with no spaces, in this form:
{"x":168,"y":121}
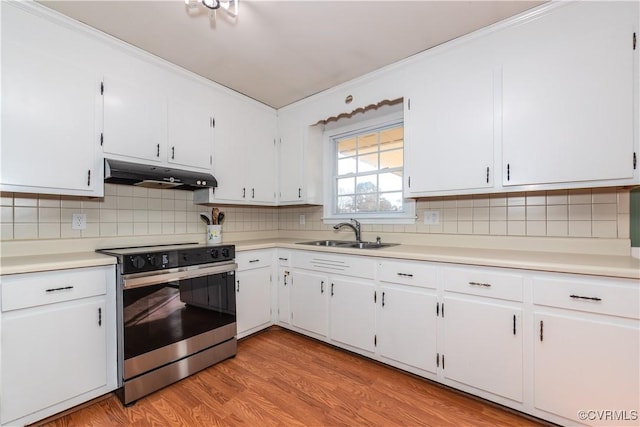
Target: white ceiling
{"x":279,"y":52}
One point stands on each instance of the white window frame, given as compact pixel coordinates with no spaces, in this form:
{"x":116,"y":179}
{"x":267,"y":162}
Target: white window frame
{"x":407,"y":216}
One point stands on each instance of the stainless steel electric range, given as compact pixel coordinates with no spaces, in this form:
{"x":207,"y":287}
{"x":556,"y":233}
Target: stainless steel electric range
{"x":176,"y":313}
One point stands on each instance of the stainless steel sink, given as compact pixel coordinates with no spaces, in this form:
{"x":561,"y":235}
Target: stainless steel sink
{"x":348,"y":244}
{"x":327,"y":243}
{"x":370,"y":245}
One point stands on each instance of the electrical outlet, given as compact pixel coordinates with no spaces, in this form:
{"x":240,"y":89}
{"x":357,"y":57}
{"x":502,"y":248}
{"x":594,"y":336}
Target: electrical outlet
{"x":432,"y":217}
{"x":302,"y":219}
{"x":78,"y":221}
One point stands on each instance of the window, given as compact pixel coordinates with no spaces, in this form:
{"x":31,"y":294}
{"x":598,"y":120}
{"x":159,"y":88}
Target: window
{"x":367,"y":173}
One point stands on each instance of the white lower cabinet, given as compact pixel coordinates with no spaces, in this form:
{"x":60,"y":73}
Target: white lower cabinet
{"x":483,"y":345}
{"x":58,"y":341}
{"x":352,"y":312}
{"x":547,"y":344}
{"x":283,"y":311}
{"x":407,"y":316}
{"x":586,"y":349}
{"x":482,"y":330}
{"x":309,"y":304}
{"x":585,"y":363}
{"x":407,"y":326}
{"x":253,"y":291}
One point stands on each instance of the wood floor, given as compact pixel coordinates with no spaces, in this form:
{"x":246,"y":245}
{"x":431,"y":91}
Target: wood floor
{"x":282,"y":378}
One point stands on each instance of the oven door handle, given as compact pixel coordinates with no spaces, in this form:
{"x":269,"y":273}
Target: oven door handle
{"x":156,"y":279}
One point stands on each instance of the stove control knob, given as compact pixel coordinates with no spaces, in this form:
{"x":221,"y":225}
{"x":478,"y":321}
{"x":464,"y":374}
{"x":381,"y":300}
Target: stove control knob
{"x":215,"y":253}
{"x":153,"y":260}
{"x":225,"y":252}
{"x":137,"y":261}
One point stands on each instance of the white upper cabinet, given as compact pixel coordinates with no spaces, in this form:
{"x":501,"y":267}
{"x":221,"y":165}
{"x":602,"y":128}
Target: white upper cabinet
{"x":300,"y":161}
{"x":244,"y":154}
{"x":134,"y":120}
{"x":568,"y":96}
{"x":449,"y":122}
{"x":51,"y":112}
{"x":189,"y":133}
{"x":143,"y":124}
{"x":260,"y":134}
{"x":290,"y":160}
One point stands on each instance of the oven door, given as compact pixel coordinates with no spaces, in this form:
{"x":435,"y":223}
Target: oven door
{"x":167,"y":317}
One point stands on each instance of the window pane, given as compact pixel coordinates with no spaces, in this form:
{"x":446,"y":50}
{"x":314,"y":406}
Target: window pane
{"x":346,"y":186}
{"x":391,"y":159}
{"x":368,"y":163}
{"x":367,"y":184}
{"x":346,"y":204}
{"x":368,"y":171}
{"x":346,"y":166}
{"x":347,"y":147}
{"x":391,"y":138}
{"x":390,"y":182}
{"x":390,"y":202}
{"x":367,"y":202}
{"x":368,"y":143}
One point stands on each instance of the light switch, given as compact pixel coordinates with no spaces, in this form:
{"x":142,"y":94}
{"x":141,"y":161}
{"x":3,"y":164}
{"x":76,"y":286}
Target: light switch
{"x":302,"y":219}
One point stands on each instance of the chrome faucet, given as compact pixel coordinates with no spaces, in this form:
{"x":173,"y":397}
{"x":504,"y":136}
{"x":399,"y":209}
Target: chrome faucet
{"x":355,"y":227}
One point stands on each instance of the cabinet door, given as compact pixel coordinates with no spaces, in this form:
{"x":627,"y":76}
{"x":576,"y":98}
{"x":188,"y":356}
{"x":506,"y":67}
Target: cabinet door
{"x":290,"y":160}
{"x":353,"y":313}
{"x":228,"y":150}
{"x":190,"y":134}
{"x":449,"y":123}
{"x":586,"y":363}
{"x":50,"y":121}
{"x":483,"y":345}
{"x":568,"y":95}
{"x":284,"y":282}
{"x":51,"y":354}
{"x":134,"y":121}
{"x":253,"y":299}
{"x":309,"y":309}
{"x":407,"y":326}
{"x":260,"y":152}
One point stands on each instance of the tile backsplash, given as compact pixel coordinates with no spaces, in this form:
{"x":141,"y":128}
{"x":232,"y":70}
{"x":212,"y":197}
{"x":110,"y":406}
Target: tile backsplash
{"x":134,"y":211}
{"x":600,"y":213}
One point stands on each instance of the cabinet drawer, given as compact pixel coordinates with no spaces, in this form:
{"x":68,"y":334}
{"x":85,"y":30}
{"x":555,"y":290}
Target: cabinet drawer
{"x":253,"y":259}
{"x":483,"y":282}
{"x":409,"y":273}
{"x":604,"y":296}
{"x":34,"y":289}
{"x":362,"y":267}
{"x":284,"y":258}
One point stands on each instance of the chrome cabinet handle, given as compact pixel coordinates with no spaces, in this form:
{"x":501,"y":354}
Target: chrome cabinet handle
{"x":483,"y":285}
{"x":254,"y":260}
{"x":585,"y":298}
{"x":405,"y":274}
{"x":65,"y":288}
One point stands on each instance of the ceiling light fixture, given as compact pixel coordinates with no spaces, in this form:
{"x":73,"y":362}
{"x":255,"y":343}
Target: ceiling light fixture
{"x":229,"y":6}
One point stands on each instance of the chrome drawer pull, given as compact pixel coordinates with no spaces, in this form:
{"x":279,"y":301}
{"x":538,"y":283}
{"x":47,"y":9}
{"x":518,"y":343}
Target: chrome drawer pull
{"x":484,"y":285}
{"x":283,"y":259}
{"x":59,"y":289}
{"x":405,"y":274}
{"x":254,"y":260}
{"x":587,"y":298}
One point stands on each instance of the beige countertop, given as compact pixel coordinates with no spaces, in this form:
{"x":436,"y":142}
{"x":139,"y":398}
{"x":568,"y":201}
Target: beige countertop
{"x":60,"y":261}
{"x":599,"y":265}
